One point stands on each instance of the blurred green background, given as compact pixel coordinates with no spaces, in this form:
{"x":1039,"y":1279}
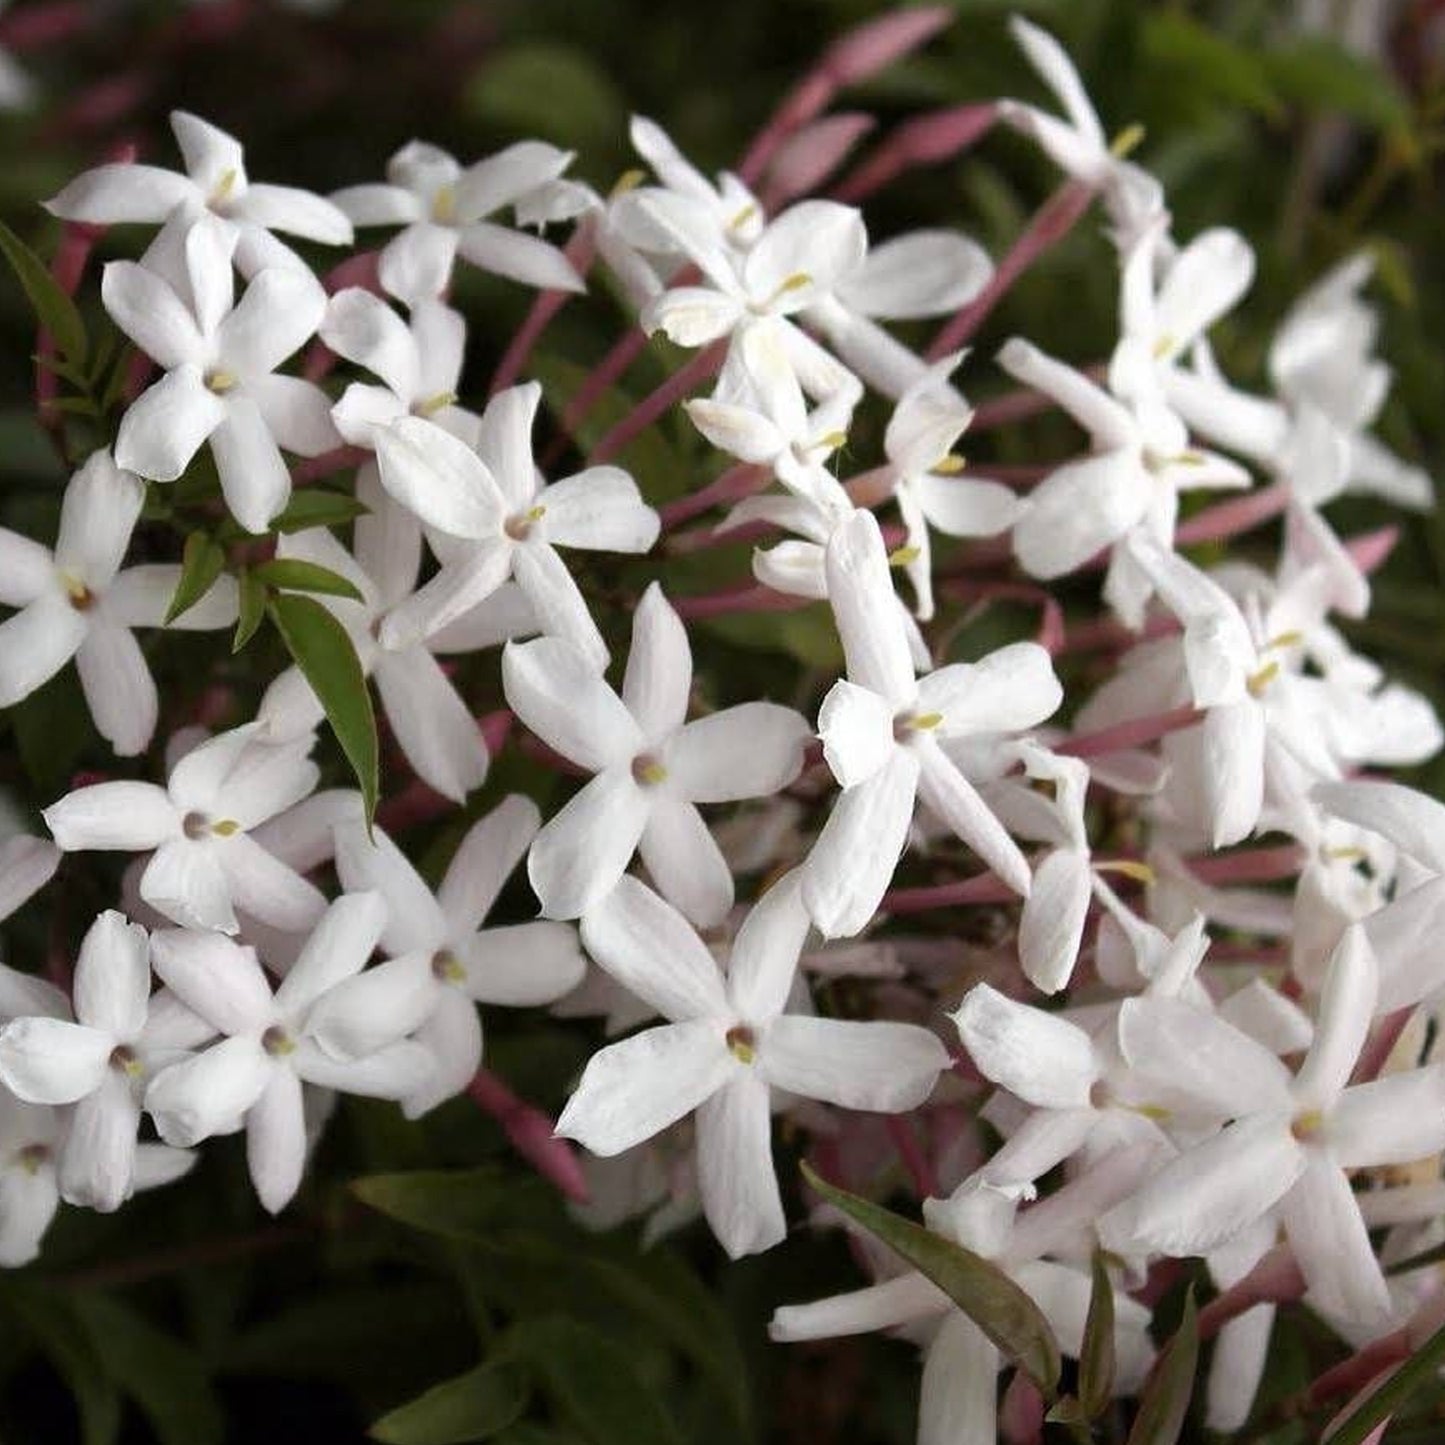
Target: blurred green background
{"x":190,"y":1319}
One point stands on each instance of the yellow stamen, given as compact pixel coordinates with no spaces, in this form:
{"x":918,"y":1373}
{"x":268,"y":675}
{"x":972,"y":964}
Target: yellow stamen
{"x":80,"y":595}
{"x":829,"y":442}
{"x":223,"y":187}
{"x":741,"y":1043}
{"x":1128,"y":868}
{"x":743,"y":216}
{"x":444,"y":205}
{"x":796,"y":282}
{"x":949,"y":465}
{"x":1156,"y":1112}
{"x":1126,"y":141}
{"x":1164,"y":346}
{"x":1351,"y":854}
{"x":649,"y":771}
{"x":627,"y":181}
{"x":1307,"y":1124}
{"x":904,"y":556}
{"x":220,"y":382}
{"x":1260,"y":680}
{"x":434,"y":404}
{"x":277,"y":1042}
{"x":1286,"y":639}
{"x":445,"y":966}
{"x":927,"y":721}
{"x":226,"y":828}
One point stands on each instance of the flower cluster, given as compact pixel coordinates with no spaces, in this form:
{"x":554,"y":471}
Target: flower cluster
{"x":1098,"y":792}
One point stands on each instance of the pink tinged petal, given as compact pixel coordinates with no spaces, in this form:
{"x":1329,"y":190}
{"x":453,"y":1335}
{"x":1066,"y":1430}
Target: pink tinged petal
{"x":433,"y":726}
{"x":36,"y":643}
{"x":1009,"y":690}
{"x":650,"y":949}
{"x":113,"y":977}
{"x":118,"y":687}
{"x":455,"y":590}
{"x":870,"y":624}
{"x":254,"y":479}
{"x":1042,"y":1058}
{"x":556,"y":602}
{"x":26,"y":569}
{"x":49,"y":1061}
{"x":338,"y":949}
{"x":1080,"y":508}
{"x":266,"y":888}
{"x":884,"y":1067}
{"x":821,"y":241}
{"x":599,"y":509}
{"x":26,"y":866}
{"x":735,"y":1175}
{"x":217,"y":979}
{"x":1394,"y":1120}
{"x":378,"y":205}
{"x":503,"y":179}
{"x":97,"y":516}
{"x":208,"y":1094}
{"x":276,"y":1141}
{"x":523,"y":965}
{"x":764,"y":959}
{"x":148,"y":310}
{"x":1210,"y":1193}
{"x":28,"y":1202}
{"x":414,"y":920}
{"x":416,"y":264}
{"x":294,"y":211}
{"x":296,"y":412}
{"x":1187,"y":1059}
{"x":635,"y":1089}
{"x":581,"y":853}
{"x":958,"y":1404}
{"x":275,"y":317}
{"x":452,"y":1036}
{"x":658,"y":679}
{"x":184,"y":881}
{"x":1332,"y":1247}
{"x":439,"y":478}
{"x":692,"y":315}
{"x":484,"y":860}
{"x":518,"y":257}
{"x":362,"y":328}
{"x":883,"y":1306}
{"x":121,"y":194}
{"x":853,"y":860}
{"x":561,"y":697}
{"x":1346,"y":1010}
{"x":360,"y":1014}
{"x":944,"y":789}
{"x":856,"y":728}
{"x":967,"y":507}
{"x":127,"y":817}
{"x":752,"y":750}
{"x":97,"y":1164}
{"x":1054,"y":915}
{"x":923,"y":273}
{"x":685,"y":862}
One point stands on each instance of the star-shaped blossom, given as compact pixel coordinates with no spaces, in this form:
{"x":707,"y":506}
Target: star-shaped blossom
{"x":253,"y":1077}
{"x":101,"y":1060}
{"x":214,"y":182}
{"x":492,"y":516}
{"x":442,"y":959}
{"x":882,"y":730}
{"x":728,"y":1044}
{"x":444,"y":211}
{"x":78,"y":602}
{"x":205,"y":864}
{"x":652,"y":766}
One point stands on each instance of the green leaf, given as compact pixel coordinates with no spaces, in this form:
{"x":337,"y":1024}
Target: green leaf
{"x":591,"y":1381}
{"x":320,"y":647}
{"x":252,"y":607}
{"x":202,"y":562}
{"x":67,"y":1344}
{"x":164,"y":1377}
{"x":549,"y":89}
{"x":1002,"y":1310}
{"x":316,"y":507}
{"x":456,"y":1203}
{"x":290,"y":574}
{"x":473,"y":1406}
{"x":1321,"y":75}
{"x":1165,"y":1400}
{"x":1096,"y":1361}
{"x":1417,"y":1372}
{"x":57,"y":312}
{"x":1216,"y":66}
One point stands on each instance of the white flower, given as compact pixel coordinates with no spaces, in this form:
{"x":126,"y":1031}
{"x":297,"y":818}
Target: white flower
{"x":102,"y":1060}
{"x":442,"y":960}
{"x":77,"y":602}
{"x":882,"y":729}
{"x":727,"y":1046}
{"x":444,"y":211}
{"x":205,"y":864}
{"x":219,"y":357}
{"x":652,"y":766}
{"x":214,"y":182}
{"x":492,"y":516}
{"x":254,"y":1075}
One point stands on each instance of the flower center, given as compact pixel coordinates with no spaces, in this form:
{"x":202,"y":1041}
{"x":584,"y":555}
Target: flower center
{"x":519,"y":527}
{"x":124,"y":1061}
{"x":433,"y":404}
{"x":444,"y":205}
{"x":1257,"y":682}
{"x":1306,"y":1125}
{"x":742,"y":1043}
{"x":277,"y":1042}
{"x":648,"y":770}
{"x":198,"y":825}
{"x":81,"y":597}
{"x":909,"y":724}
{"x":796,"y":282}
{"x":219,"y":381}
{"x":223,"y":188}
{"x":33,"y":1157}
{"x":446,"y":967}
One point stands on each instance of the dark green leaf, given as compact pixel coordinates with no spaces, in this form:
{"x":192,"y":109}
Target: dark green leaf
{"x":67,"y":1344}
{"x":320,"y":647}
{"x":252,"y":607}
{"x":56,"y":311}
{"x":1216,"y":66}
{"x":317,"y":507}
{"x":548,"y":88}
{"x":473,"y":1406}
{"x":202,"y":562}
{"x":1165,"y":1401}
{"x":1002,"y":1310}
{"x":591,"y":1381}
{"x":1096,"y":1362}
{"x":1417,"y":1372}
{"x":1320,"y":74}
{"x":457,"y":1203}
{"x":290,"y":574}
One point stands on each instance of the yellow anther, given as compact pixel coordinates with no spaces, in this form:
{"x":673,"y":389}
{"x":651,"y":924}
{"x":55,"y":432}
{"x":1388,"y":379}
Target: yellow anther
{"x":796,"y":282}
{"x":224,"y":187}
{"x":1260,"y":680}
{"x":220,"y":382}
{"x":1165,"y":345}
{"x":926,"y":721}
{"x":627,"y":181}
{"x":741,"y":1043}
{"x":1191,"y":458}
{"x":81,"y":597}
{"x":830,"y":441}
{"x":226,"y":828}
{"x":1156,"y":1112}
{"x":904,"y":556}
{"x":1352,"y":853}
{"x":1128,"y":868}
{"x":651,"y":772}
{"x":446,"y":967}
{"x":444,"y":205}
{"x":1126,"y":141}
{"x":743,"y":216}
{"x":1307,"y":1124}
{"x":433,"y":404}
{"x":950,"y":464}
{"x":1286,"y":639}
{"x":519,"y":528}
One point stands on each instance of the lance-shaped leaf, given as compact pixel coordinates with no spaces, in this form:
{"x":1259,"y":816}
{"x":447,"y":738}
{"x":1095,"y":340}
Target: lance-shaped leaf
{"x":202,"y":561}
{"x":1418,"y":1371}
{"x":1002,"y":1310}
{"x":1096,"y":1361}
{"x":252,"y":607}
{"x":291,"y":574}
{"x":474,"y":1406}
{"x":57,"y":313}
{"x":317,"y":507}
{"x":320,"y":647}
{"x":1165,"y":1401}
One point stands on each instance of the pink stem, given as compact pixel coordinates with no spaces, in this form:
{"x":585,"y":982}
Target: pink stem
{"x":414,"y":805}
{"x":1360,"y":1369}
{"x":810,"y":156}
{"x":1381,"y":1043}
{"x":581,"y":251}
{"x":532,"y":1134}
{"x":338,"y":459}
{"x":1249,"y":865}
{"x":1132,"y":734}
{"x":705,"y":364}
{"x":610,"y":369}
{"x":981,"y":888}
{"x":1230,"y":518}
{"x":924,"y":141}
{"x":1051,"y":615}
{"x":1021,"y":1412}
{"x":1371,"y":550}
{"x":41,"y":25}
{"x":496,"y":729}
{"x":751,"y":597}
{"x":1276,"y":1279}
{"x":733,"y":485}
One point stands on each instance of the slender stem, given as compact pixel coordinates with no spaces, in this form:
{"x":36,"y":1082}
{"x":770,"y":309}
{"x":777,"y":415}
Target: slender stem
{"x":707,"y":363}
{"x":581,"y":251}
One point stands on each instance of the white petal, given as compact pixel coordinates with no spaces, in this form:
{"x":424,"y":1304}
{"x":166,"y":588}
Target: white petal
{"x":97,"y":1165}
{"x":556,"y":602}
{"x":97,"y":516}
{"x":28,"y":1202}
{"x":561,"y":697}
{"x":210,"y":1093}
{"x":358,"y":1015}
{"x":1009,"y":690}
{"x":151,"y":314}
{"x":214,"y":977}
{"x":36,"y":643}
{"x":433,"y":726}
{"x":523,"y":965}
{"x":484,"y":860}
{"x":685,"y":862}
{"x":113,"y":977}
{"x":922,"y":273}
{"x":581,"y":853}
{"x":1413,"y":821}
{"x":820,"y":240}
{"x":658,"y":679}
{"x":416,"y":264}
{"x":881,"y":1306}
{"x":276,"y":1141}
{"x":266,"y":888}
{"x":735,"y":1175}
{"x":116,"y":194}
{"x":377,"y":205}
{"x":1079,"y":509}
{"x":362,"y":328}
{"x":1044,"y":1059}
{"x":453,"y":1038}
{"x":296,"y":412}
{"x":26,"y":865}
{"x":519,"y":257}
{"x":1393,"y":1120}
{"x":958,"y":1401}
{"x":967,"y":506}
{"x":118,"y":688}
{"x":439,"y":478}
{"x":752,"y":750}
{"x":1347,"y":1006}
{"x":184,"y":881}
{"x":338,"y":948}
{"x":141,"y":596}
{"x":504,"y":178}
{"x":885,"y":1067}
{"x":856,"y":728}
{"x":167,"y":424}
{"x":275,"y":317}
{"x":764,"y":959}
{"x":1204,"y":281}
{"x":691,"y":315}
{"x":860,"y":591}
{"x":254,"y":479}
{"x":414,"y":920}
{"x":49,"y":1061}
{"x":294,"y":211}
{"x":26,"y":569}
{"x":1054,"y":915}
{"x":600,"y":509}
{"x":395,"y":1072}
{"x":457,"y":588}
{"x":942,"y":786}
{"x":504,"y":443}
{"x":130,"y":817}
{"x":1107,"y":421}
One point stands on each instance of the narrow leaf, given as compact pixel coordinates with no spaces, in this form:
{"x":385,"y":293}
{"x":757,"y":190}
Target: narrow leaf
{"x":1096,"y":1361}
{"x":56,"y":311}
{"x":320,"y":647}
{"x":456,"y":1203}
{"x":1165,"y":1401}
{"x":317,"y":507}
{"x":251,"y":609}
{"x":1002,"y":1310}
{"x":473,"y":1406}
{"x":1417,"y":1372}
{"x":290,"y":574}
{"x":201,"y":563}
